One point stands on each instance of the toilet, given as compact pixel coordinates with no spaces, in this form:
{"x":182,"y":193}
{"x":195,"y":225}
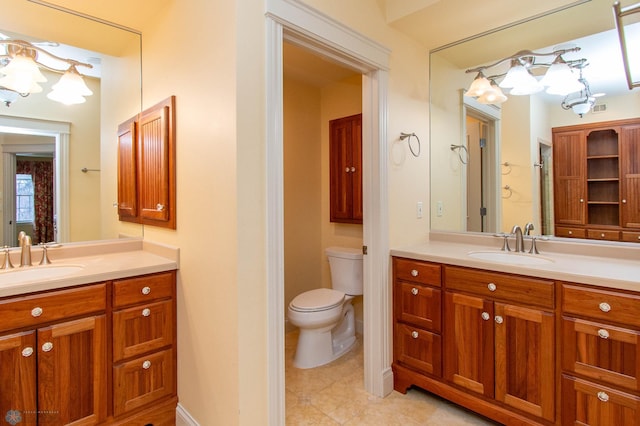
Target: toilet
{"x":325,"y":316}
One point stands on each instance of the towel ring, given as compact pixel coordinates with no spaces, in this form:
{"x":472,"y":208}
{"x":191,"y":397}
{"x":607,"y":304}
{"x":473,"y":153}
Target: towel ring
{"x":408,"y":136}
{"x":507,"y":188}
{"x":459,"y":148}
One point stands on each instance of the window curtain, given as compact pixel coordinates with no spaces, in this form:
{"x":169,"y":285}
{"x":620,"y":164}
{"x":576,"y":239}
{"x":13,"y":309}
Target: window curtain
{"x":41,"y":172}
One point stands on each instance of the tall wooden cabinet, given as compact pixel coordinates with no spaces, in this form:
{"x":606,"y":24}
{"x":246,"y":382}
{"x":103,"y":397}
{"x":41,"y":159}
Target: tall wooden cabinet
{"x":146,"y":167}
{"x":345,"y":169}
{"x":597,"y":180}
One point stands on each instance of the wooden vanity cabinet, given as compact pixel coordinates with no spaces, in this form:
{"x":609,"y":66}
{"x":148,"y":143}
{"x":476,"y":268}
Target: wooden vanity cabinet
{"x":146,"y":167}
{"x":494,"y":345}
{"x":600,"y":356}
{"x":144,"y":355}
{"x":417,"y":330}
{"x":79,"y":355}
{"x":53,"y":360}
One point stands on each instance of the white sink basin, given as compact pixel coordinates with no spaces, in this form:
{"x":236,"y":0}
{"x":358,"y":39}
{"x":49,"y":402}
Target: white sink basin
{"x":510,"y":257}
{"x":36,"y":273}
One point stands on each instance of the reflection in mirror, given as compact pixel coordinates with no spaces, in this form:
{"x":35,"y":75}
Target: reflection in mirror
{"x":76,"y":141}
{"x":507,"y":178}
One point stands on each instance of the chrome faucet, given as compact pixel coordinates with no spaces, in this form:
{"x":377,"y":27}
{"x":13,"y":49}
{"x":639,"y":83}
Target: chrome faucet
{"x":25,"y":251}
{"x":517,"y":231}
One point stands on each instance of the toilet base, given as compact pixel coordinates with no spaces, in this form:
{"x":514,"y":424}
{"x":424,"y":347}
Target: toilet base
{"x":319,"y":347}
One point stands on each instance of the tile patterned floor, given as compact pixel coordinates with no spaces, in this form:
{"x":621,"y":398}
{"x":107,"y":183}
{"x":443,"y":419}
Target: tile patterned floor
{"x":334,"y":395}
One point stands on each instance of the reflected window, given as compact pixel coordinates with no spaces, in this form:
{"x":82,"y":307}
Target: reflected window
{"x":25,"y":211}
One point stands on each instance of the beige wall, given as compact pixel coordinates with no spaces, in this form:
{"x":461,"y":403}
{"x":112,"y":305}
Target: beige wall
{"x":302,"y":196}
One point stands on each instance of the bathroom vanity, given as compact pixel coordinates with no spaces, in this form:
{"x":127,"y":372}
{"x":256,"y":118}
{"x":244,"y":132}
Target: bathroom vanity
{"x":554,"y":339}
{"x":95,"y":346}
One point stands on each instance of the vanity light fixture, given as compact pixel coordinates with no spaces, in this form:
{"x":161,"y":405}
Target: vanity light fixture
{"x":21,"y":74}
{"x":559,"y":78}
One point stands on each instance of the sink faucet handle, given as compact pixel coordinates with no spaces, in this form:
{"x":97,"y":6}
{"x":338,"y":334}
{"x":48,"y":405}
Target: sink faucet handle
{"x":7,"y":259}
{"x":505,"y":241}
{"x":45,"y":258}
{"x":534,"y":248}
{"x":528,"y":228}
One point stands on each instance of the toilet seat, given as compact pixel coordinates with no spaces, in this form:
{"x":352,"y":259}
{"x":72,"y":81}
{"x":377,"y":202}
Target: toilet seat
{"x":320,"y":299}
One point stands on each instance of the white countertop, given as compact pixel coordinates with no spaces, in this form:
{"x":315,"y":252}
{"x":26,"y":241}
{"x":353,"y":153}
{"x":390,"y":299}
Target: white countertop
{"x":613,"y":267}
{"x":97,"y":261}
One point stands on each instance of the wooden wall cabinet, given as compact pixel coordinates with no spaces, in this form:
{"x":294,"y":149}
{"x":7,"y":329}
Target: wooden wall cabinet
{"x":146,"y":167}
{"x":345,"y":169}
{"x":596,"y":180}
{"x":100,"y":353}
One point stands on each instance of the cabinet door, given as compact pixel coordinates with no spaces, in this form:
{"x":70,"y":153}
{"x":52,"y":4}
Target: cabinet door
{"x":419,"y":349}
{"x":569,"y":169}
{"x":72,"y":372}
{"x":603,"y":352}
{"x":156,"y":164}
{"x":525,"y":376}
{"x":345,"y":169}
{"x":142,"y":381}
{"x":469,"y":343}
{"x":18,"y":378}
{"x":586,"y":403}
{"x":418,"y":305}
{"x":127,"y":183}
{"x":630,"y":175}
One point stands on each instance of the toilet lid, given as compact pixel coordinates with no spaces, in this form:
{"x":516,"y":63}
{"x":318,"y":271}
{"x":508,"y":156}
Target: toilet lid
{"x":320,"y":299}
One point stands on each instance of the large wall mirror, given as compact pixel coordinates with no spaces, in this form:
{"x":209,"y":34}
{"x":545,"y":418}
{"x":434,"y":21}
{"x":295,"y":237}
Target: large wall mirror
{"x":78,"y":140}
{"x":490,"y":164}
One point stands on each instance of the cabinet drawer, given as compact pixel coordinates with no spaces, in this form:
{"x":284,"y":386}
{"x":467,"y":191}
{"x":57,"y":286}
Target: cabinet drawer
{"x":598,"y":234}
{"x":601,"y":304}
{"x":418,"y":349}
{"x":586,"y":403}
{"x":511,"y":288}
{"x":418,"y":304}
{"x":599,"y":351}
{"x":142,"y":328}
{"x":567,"y":232}
{"x":143,"y":289}
{"x":416,"y":271}
{"x":142,"y":381}
{"x":28,"y":311}
{"x":631,"y":237}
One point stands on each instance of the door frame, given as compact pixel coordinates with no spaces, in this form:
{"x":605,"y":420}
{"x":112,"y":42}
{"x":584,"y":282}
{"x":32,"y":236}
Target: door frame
{"x":60,"y":131}
{"x":304,"y":26}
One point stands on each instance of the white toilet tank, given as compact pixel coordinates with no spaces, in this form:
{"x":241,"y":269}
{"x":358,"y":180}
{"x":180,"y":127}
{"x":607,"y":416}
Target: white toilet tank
{"x":346,"y":269}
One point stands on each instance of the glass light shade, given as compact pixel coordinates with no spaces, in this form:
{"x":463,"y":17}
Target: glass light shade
{"x":492,"y":96}
{"x":479,"y":85}
{"x":8,"y":96}
{"x":527,"y":89}
{"x":22,"y":75}
{"x":584,"y":107}
{"x":518,"y":76}
{"x":71,"y":88}
{"x":560,"y":80}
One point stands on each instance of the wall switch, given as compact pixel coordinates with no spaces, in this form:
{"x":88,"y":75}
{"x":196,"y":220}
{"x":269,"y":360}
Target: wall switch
{"x":440,"y":208}
{"x":419,"y":210}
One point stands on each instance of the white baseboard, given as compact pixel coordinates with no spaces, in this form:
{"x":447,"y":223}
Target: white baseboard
{"x":183,"y":418}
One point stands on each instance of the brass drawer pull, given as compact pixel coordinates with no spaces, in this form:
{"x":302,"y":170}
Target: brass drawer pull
{"x":27,"y":352}
{"x":146,"y":290}
{"x":499,"y":319}
{"x":602,"y":396}
{"x":604,"y":334}
{"x":414,"y":272}
{"x":36,"y":312}
{"x":485,"y":316}
{"x":414,"y":291}
{"x":146,"y":365}
{"x":414,"y":334}
{"x":146,"y":312}
{"x":491,"y":287}
{"x":48,"y":346}
{"x":604,"y":307}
